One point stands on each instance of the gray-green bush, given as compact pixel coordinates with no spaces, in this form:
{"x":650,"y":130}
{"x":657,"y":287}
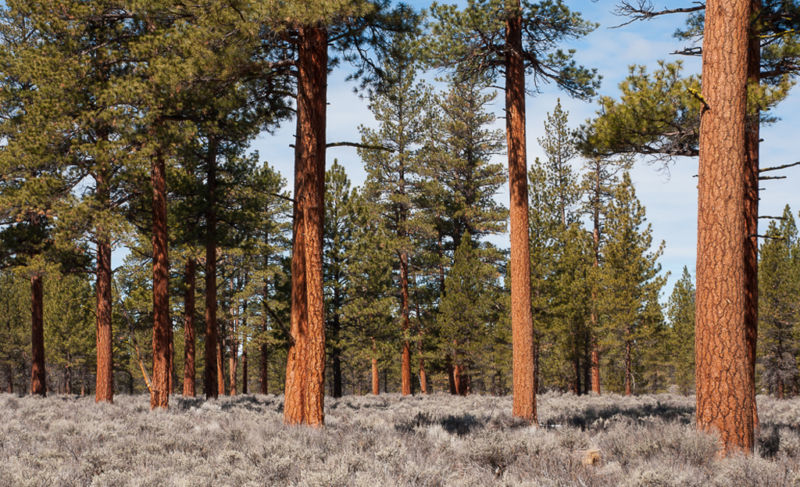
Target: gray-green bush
{"x":383,"y":441}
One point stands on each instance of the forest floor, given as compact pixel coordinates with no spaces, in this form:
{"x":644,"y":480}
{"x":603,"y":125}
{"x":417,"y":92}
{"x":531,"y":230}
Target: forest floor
{"x":384,"y":441}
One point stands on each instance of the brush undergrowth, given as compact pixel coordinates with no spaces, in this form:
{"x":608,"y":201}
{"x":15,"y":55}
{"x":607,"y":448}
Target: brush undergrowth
{"x":384,"y":441}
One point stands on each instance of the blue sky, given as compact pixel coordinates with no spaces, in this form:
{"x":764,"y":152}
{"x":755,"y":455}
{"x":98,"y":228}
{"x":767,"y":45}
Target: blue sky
{"x":670,"y":196}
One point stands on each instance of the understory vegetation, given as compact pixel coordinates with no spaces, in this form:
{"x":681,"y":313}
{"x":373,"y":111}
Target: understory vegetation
{"x":385,"y":440}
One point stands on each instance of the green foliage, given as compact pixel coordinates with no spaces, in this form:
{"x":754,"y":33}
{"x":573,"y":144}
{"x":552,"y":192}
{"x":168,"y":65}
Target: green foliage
{"x":631,"y":281}
{"x":680,"y":313}
{"x":779,"y":311}
{"x":472,"y":42}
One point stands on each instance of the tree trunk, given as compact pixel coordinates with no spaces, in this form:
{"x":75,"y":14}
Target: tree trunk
{"x":576,"y":367}
{"x":595,"y":349}
{"x":221,"y":339}
{"x":171,"y":386}
{"x":752,"y":135}
{"x":263,"y":379}
{"x":405,"y":371}
{"x":724,"y":381}
{"x":423,"y":377}
{"x":188,"y":328}
{"x":104,"y":382}
{"x":305,"y":365}
{"x":10,"y":376}
{"x":159,"y":396}
{"x":628,"y":373}
{"x":524,"y":405}
{"x":38,"y":379}
{"x":781,"y":393}
{"x":336,"y":362}
{"x":244,"y":368}
{"x":210,"y":377}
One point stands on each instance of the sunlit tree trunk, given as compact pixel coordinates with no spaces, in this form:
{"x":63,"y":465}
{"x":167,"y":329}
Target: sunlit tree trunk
{"x":524,"y":403}
{"x":38,"y":378}
{"x":159,"y":395}
{"x":305,"y":367}
{"x":405,"y":371}
{"x":723,"y":374}
{"x":104,"y":378}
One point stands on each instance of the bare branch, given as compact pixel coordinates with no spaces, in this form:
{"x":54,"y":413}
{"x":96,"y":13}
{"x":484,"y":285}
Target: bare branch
{"x":644,"y":10}
{"x":778,"y":168}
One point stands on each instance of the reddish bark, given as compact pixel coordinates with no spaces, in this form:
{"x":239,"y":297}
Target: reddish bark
{"x":221,"y":360}
{"x":264,"y":353}
{"x":461,"y":380}
{"x":38,"y":377}
{"x":159,"y":395}
{"x":188,"y":329}
{"x":104,"y":383}
{"x":405,"y":370}
{"x":524,"y":405}
{"x":751,"y":198}
{"x":305,"y":365}
{"x":210,"y":376}
{"x":723,"y":377}
{"x":171,"y":363}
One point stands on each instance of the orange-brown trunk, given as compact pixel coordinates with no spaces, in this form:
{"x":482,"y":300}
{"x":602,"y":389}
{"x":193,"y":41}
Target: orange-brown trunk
{"x":305,"y":365}
{"x":159,"y":396}
{"x":38,"y":378}
{"x":188,"y":329}
{"x":524,"y":403}
{"x":723,"y":374}
{"x":104,"y":382}
{"x":628,"y":373}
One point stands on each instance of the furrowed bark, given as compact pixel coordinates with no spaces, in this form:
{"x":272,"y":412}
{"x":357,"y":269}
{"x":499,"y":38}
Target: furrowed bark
{"x":159,"y":395}
{"x":524,"y":403}
{"x":305,"y":365}
{"x":38,"y":376}
{"x":190,"y":275}
{"x":104,"y":382}
{"x":210,"y":377}
{"x":724,"y":381}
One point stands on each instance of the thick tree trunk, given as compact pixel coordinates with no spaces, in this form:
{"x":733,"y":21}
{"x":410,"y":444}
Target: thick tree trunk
{"x":751,"y":198}
{"x":188,"y":328}
{"x":210,"y":377}
{"x":305,"y":365}
{"x":159,"y":396}
{"x":451,"y":382}
{"x":104,"y":383}
{"x":524,"y":405}
{"x":405,"y":371}
{"x":724,"y":381}
{"x":38,"y":378}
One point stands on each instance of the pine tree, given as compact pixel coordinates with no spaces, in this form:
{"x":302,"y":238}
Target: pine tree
{"x":339,"y":229}
{"x":468,"y":311}
{"x":725,"y":400}
{"x":631,"y":284}
{"x":394,"y":170}
{"x":490,"y":37}
{"x":680,"y":312}
{"x":779,"y":312}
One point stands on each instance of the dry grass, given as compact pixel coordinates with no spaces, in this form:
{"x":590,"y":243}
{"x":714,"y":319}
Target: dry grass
{"x":384,"y":441}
